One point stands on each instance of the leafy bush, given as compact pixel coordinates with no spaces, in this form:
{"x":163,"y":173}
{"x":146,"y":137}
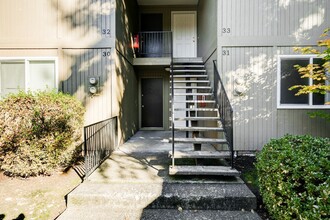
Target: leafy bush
{"x":39,"y":132}
{"x":294,"y":177}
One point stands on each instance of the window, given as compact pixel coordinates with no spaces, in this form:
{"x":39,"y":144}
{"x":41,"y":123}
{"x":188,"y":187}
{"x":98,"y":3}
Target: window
{"x":288,"y":76}
{"x":25,"y":74}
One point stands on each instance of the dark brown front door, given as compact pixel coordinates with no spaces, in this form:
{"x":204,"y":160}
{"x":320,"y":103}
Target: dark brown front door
{"x":152,"y":102}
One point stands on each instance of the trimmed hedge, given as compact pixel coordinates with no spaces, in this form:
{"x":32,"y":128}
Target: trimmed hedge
{"x":39,"y":132}
{"x":294,"y":177}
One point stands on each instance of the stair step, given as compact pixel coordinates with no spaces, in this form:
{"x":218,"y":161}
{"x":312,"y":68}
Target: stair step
{"x":189,"y":71}
{"x":199,"y":140}
{"x":198,"y":128}
{"x":190,"y":76}
{"x":188,"y":61}
{"x":126,"y":197}
{"x":192,"y":94}
{"x":197,"y":109}
{"x":192,"y":87}
{"x":194,"y":101}
{"x":197,"y":119}
{"x":203,"y":170}
{"x":191,"y":81}
{"x":152,"y":214}
{"x":188,"y":66}
{"x":200,"y":154}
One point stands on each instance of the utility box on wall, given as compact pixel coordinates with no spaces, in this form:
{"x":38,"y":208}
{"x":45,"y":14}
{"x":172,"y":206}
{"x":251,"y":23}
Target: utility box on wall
{"x":94,"y":85}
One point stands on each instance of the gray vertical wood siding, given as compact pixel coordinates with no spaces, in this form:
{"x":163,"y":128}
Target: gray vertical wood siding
{"x":78,"y":66}
{"x":73,"y":32}
{"x":260,"y":30}
{"x":247,"y":17}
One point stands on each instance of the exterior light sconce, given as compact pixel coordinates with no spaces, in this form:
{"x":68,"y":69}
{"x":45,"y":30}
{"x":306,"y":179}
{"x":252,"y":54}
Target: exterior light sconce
{"x":93,"y":85}
{"x":239,"y":88}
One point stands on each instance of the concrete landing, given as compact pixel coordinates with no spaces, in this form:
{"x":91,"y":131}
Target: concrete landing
{"x":134,"y":184}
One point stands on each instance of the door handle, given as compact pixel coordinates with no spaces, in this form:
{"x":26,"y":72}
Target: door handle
{"x":142,"y":106}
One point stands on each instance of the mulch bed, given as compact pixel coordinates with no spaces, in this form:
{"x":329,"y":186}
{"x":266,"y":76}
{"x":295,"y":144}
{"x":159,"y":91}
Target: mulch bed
{"x":245,"y":164}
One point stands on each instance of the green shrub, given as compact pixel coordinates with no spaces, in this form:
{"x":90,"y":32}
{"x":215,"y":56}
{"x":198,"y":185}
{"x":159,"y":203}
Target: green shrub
{"x":39,"y":132}
{"x":294,"y":177}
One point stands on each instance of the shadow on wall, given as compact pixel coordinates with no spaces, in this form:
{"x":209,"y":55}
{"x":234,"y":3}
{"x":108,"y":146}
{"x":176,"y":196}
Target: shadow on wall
{"x":127,"y":89}
{"x":251,"y":77}
{"x":127,"y":86}
{"x":88,"y":50}
{"x":81,"y":28}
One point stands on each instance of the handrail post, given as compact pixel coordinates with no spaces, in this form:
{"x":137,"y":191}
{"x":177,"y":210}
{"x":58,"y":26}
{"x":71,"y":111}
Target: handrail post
{"x":172,"y":103}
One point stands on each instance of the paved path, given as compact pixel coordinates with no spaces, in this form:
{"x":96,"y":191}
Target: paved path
{"x":134,"y":184}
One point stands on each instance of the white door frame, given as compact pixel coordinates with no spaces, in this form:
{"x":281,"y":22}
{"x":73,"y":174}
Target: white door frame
{"x":195,"y":21}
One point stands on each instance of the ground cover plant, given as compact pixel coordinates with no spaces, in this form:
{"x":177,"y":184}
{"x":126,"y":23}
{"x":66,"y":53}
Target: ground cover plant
{"x":294,"y":177}
{"x":39,"y":132}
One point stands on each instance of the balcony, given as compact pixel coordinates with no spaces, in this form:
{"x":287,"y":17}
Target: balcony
{"x":153,"y":48}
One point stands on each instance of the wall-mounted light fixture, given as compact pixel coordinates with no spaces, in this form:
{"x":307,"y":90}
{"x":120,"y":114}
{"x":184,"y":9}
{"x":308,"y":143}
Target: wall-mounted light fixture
{"x":239,"y":87}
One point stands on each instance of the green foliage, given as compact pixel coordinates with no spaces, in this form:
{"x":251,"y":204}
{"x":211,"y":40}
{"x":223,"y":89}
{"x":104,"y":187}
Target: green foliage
{"x":39,"y":132}
{"x":316,"y":72}
{"x":294,"y":177}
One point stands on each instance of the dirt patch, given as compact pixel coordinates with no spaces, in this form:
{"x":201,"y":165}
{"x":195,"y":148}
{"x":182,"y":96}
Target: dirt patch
{"x":245,"y":164}
{"x":35,"y":198}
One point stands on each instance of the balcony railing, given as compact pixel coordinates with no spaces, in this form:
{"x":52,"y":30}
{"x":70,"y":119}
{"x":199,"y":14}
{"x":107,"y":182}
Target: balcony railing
{"x":154,"y":44}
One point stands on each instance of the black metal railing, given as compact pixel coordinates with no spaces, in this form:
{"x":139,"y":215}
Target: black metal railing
{"x":225,"y":110}
{"x":100,"y":140}
{"x":154,"y":44}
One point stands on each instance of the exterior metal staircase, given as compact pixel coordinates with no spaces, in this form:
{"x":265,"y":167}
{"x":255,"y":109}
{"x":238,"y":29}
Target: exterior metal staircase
{"x":195,"y":112}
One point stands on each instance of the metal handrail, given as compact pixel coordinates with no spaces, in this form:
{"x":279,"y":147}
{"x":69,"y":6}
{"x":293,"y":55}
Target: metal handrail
{"x":100,"y":140}
{"x":225,"y":110}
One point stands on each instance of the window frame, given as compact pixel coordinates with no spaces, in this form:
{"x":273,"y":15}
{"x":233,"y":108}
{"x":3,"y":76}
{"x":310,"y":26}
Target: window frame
{"x":27,"y":74}
{"x":310,"y":95}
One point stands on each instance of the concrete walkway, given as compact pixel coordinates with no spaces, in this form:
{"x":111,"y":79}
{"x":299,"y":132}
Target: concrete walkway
{"x":134,"y":184}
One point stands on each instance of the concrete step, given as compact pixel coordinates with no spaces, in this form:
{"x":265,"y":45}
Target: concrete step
{"x":199,"y":140}
{"x":102,"y":213}
{"x":200,"y":154}
{"x":175,"y":214}
{"x":190,"y":195}
{"x":198,"y":129}
{"x":92,"y":212}
{"x":190,"y":76}
{"x":192,"y":87}
{"x":197,"y":119}
{"x":197,"y":109}
{"x":203,"y":170}
{"x":216,"y":196}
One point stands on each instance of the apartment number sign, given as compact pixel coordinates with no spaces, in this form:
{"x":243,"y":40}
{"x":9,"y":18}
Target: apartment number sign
{"x":106,"y":53}
{"x":225,"y":53}
{"x":106,"y":31}
{"x":226,"y":30}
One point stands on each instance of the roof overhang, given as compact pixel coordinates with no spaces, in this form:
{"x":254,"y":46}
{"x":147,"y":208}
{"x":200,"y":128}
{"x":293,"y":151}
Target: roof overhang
{"x":167,"y":2}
